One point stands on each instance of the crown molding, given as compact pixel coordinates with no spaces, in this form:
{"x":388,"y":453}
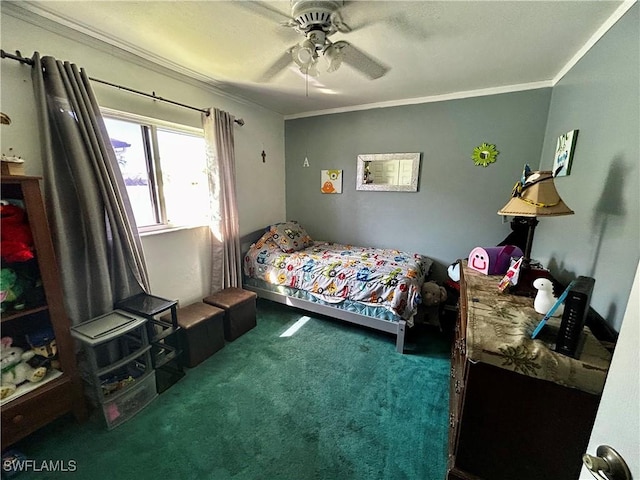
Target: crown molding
{"x":431,"y":99}
{"x":604,"y":28}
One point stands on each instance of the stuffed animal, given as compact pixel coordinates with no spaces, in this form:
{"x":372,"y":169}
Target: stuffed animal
{"x":15,"y":369}
{"x":43,"y":344}
{"x":433,"y":294}
{"x":16,"y":241}
{"x":11,"y":291}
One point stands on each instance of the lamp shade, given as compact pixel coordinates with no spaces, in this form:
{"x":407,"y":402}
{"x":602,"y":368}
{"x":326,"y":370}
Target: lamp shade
{"x":535,"y":196}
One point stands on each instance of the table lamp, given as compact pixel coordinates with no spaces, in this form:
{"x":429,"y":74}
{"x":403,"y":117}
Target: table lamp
{"x":534,"y":196}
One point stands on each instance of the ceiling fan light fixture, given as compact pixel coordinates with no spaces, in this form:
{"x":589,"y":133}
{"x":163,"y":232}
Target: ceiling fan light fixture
{"x":317,"y":20}
{"x":334,"y":57}
{"x":304,"y":54}
{"x":312,"y":69}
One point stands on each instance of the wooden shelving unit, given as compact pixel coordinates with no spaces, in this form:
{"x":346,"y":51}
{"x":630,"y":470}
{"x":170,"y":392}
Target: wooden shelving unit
{"x":26,"y":413}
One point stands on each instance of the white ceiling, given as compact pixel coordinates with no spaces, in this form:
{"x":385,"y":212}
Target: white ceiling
{"x":433,"y":48}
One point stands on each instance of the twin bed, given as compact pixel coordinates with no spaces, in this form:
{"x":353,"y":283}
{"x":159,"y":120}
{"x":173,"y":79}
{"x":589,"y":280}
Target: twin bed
{"x":376,"y":288}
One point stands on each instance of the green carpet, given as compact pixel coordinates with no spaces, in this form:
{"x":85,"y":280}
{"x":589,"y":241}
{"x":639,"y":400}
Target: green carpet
{"x":332,"y":401}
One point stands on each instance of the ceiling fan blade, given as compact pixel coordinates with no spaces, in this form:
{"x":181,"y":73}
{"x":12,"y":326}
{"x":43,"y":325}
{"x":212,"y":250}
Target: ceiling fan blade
{"x":280,"y":64}
{"x":359,"y":60}
{"x":272,"y":14}
{"x":265,"y":10}
{"x":353,"y":12}
{"x":338,"y":23}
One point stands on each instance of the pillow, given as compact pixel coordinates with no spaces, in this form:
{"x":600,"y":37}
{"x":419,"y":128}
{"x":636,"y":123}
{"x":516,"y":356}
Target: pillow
{"x":263,"y":239}
{"x":290,"y":236}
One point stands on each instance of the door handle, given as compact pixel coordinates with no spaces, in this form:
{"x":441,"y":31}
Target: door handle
{"x":607,"y":465}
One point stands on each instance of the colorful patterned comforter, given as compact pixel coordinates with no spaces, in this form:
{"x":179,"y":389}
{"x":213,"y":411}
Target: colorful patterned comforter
{"x":335,"y":272}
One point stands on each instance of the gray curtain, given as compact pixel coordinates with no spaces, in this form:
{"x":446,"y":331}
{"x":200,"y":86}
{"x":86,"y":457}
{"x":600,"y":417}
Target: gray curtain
{"x":226,"y":258}
{"x":93,"y":227}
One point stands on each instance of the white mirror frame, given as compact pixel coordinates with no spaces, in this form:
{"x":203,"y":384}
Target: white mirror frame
{"x":412,"y":187}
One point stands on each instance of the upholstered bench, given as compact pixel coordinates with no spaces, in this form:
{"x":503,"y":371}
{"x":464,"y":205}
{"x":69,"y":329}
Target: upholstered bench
{"x":240,"y":310}
{"x":201,"y":331}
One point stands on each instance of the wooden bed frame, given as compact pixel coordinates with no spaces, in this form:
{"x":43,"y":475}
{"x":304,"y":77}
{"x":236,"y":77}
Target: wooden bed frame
{"x":396,"y":328}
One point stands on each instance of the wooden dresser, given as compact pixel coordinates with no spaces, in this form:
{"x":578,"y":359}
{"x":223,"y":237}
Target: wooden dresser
{"x":518,"y":410}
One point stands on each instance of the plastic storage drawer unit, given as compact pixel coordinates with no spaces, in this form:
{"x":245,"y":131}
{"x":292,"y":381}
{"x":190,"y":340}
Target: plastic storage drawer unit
{"x":122,"y":406}
{"x":118,"y":367}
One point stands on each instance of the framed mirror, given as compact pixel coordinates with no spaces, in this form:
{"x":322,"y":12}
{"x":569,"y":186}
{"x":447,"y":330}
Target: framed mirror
{"x":388,"y":172}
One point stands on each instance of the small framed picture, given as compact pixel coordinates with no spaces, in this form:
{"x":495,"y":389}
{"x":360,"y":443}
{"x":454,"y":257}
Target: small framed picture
{"x":563,"y":159}
{"x":331,"y":181}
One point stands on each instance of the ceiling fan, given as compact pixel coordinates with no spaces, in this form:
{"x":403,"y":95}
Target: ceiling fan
{"x":317,"y":21}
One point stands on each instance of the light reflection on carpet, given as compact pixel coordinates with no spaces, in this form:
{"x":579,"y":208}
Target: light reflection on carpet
{"x":295,"y":327}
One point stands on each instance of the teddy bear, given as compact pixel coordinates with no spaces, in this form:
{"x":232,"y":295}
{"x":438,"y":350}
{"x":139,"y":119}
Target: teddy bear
{"x":433,"y":294}
{"x":16,"y":241}
{"x":429,"y":311}
{"x":15,"y":369}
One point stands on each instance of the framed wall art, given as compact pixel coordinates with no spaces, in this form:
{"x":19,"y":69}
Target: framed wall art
{"x":563,"y":158}
{"x":331,"y":181}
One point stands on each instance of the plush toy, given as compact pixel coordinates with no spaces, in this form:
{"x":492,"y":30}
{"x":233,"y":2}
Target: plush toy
{"x":16,"y":241}
{"x":433,"y":294}
{"x":11,"y":291}
{"x":43,"y":344}
{"x":15,"y":369}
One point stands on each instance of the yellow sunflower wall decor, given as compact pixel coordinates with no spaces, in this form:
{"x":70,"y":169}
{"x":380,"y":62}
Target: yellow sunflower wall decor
{"x":484,"y":154}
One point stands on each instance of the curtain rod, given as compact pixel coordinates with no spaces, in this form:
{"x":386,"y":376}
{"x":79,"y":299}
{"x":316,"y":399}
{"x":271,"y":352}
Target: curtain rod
{"x":18,"y":57}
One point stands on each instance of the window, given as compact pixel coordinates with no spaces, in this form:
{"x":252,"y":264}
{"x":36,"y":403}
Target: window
{"x":164,"y":168}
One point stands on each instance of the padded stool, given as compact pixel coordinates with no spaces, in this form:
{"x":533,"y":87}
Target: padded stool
{"x":240,"y":310}
{"x":201,"y":331}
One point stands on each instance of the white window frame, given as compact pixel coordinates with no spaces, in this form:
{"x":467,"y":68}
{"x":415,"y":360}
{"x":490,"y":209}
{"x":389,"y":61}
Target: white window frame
{"x":156,"y":174}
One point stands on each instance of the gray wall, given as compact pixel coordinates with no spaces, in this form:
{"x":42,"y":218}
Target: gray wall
{"x":455,"y":207}
{"x":600,"y":96}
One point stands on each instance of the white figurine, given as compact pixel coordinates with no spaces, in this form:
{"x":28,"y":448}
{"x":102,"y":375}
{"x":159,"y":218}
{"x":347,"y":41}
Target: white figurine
{"x":544,"y":298}
{"x":454,"y":272}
